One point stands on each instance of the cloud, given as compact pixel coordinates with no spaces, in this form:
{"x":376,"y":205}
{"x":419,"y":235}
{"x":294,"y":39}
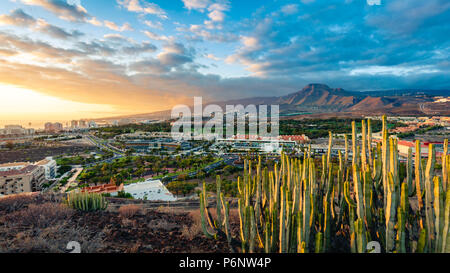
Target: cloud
{"x":94,"y":21}
{"x":55,"y":31}
{"x":290,"y":9}
{"x":212,"y":57}
{"x":406,"y":17}
{"x":362,"y":48}
{"x":115,"y":36}
{"x":196,"y":4}
{"x":40,"y":51}
{"x":74,"y":13}
{"x":18,"y":18}
{"x":199,"y":33}
{"x":156,"y":37}
{"x":145,"y":47}
{"x":145,"y":8}
{"x":113,"y":26}
{"x":156,"y":25}
{"x":350,"y":46}
{"x":217,"y":11}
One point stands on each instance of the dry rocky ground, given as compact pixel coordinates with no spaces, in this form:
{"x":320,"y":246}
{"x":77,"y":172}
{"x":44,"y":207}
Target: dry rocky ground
{"x":42,"y":224}
{"x":39,"y":153}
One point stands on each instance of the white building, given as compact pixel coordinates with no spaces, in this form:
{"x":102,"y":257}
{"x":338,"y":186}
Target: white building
{"x":153,"y":190}
{"x":50,"y":167}
{"x":16,"y":130}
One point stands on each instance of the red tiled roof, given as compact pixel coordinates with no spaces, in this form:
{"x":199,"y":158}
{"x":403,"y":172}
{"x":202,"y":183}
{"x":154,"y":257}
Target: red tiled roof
{"x":293,"y":137}
{"x":106,"y":188}
{"x":406,"y":143}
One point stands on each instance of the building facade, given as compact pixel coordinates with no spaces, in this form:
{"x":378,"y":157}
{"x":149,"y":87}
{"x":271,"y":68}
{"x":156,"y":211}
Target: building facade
{"x":50,"y":167}
{"x":27,"y":179}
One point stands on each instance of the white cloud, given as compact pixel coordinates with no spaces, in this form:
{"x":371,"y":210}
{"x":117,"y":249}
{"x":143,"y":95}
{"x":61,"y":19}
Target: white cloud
{"x":157,"y":37}
{"x":196,"y":4}
{"x":18,"y":18}
{"x":250,"y":42}
{"x":156,"y":25}
{"x":212,"y":57}
{"x":145,"y":8}
{"x":113,"y":26}
{"x":217,"y":11}
{"x":290,"y":9}
{"x":95,"y":22}
{"x":393,"y":70}
{"x":216,"y":16}
{"x":114,"y":36}
{"x":64,"y":10}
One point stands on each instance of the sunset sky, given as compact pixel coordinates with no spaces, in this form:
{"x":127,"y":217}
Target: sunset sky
{"x":61,"y":59}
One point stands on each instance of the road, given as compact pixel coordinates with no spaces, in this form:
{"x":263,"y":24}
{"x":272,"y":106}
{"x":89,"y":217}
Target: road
{"x":99,"y":143}
{"x":71,"y":180}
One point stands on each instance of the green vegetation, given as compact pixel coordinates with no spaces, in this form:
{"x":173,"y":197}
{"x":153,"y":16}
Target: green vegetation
{"x":109,"y":132}
{"x":131,"y":169}
{"x":292,"y":209}
{"x":63,"y":169}
{"x":182,"y":187}
{"x":125,"y":195}
{"x":420,"y":131}
{"x":229,"y":188}
{"x":83,"y":160}
{"x":86,"y":202}
{"x":317,"y":128}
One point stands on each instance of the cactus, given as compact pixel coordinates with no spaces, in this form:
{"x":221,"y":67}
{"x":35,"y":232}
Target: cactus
{"x":402,"y":218}
{"x":445,"y":231}
{"x":445,"y":166}
{"x":296,"y":208}
{"x":438,"y":212}
{"x":390,"y":213}
{"x":86,"y":202}
{"x":360,"y":235}
{"x":429,"y":196}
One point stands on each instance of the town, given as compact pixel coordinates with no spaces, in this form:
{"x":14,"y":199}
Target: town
{"x":139,"y":158}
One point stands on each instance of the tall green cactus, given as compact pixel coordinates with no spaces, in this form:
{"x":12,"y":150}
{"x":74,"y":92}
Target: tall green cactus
{"x":296,"y":208}
{"x":86,"y":202}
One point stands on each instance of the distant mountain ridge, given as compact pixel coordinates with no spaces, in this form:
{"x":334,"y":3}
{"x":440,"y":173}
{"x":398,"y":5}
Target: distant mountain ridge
{"x":320,"y":98}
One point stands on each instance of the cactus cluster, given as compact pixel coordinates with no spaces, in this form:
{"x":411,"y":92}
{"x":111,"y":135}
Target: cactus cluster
{"x":296,"y":208}
{"x":86,"y":202}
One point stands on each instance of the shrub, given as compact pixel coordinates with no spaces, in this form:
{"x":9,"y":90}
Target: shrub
{"x":125,"y":195}
{"x":129,"y":211}
{"x":190,"y":232}
{"x":16,"y":202}
{"x":42,"y":216}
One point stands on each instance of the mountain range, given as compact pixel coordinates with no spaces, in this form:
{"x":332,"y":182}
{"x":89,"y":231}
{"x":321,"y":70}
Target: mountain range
{"x":321,"y":99}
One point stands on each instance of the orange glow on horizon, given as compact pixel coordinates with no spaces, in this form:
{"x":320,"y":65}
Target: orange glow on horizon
{"x":19,"y":104}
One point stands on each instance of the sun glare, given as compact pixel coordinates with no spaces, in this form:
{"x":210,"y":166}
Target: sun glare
{"x":18,"y":104}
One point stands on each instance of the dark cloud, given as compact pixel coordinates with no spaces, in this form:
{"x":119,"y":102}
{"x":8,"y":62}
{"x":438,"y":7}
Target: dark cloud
{"x":329,"y":40}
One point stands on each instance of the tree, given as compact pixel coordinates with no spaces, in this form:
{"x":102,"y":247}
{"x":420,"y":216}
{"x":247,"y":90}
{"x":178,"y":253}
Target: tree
{"x":10,"y":145}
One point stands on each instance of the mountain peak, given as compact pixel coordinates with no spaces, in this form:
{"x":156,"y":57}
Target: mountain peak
{"x":316,"y":86}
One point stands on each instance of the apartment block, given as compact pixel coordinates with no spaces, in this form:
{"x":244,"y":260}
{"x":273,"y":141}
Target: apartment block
{"x":26,"y":179}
